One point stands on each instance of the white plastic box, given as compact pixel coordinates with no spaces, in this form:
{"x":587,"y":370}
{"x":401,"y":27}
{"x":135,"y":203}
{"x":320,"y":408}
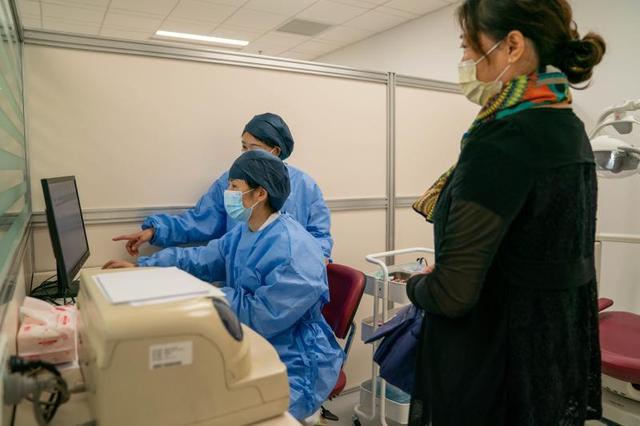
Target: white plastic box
{"x":396,"y":404}
{"x":398,"y":274}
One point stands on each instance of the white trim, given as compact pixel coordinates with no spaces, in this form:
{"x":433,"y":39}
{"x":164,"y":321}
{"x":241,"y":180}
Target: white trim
{"x":199,"y":54}
{"x":137,"y":214}
{"x":427,"y":83}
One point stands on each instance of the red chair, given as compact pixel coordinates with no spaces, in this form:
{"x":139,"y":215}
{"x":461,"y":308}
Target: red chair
{"x":620,"y":352}
{"x":346,"y":286}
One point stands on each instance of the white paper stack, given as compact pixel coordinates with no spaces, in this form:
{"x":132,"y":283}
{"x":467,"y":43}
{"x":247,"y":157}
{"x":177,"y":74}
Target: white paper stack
{"x":153,"y":285}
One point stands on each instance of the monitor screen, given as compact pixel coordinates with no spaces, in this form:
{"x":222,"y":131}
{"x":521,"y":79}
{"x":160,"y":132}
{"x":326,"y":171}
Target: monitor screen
{"x":66,"y":227}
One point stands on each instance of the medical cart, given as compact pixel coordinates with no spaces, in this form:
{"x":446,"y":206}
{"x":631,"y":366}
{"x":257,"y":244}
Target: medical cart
{"x":382,"y":403}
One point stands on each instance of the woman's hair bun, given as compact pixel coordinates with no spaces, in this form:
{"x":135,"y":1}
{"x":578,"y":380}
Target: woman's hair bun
{"x":578,"y":57}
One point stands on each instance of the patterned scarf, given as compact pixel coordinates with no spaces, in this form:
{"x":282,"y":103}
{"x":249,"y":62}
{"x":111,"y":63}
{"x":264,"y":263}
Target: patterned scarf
{"x":544,"y":87}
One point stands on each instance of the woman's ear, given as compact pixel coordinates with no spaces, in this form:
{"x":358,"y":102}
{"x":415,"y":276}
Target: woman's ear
{"x":516,"y":44}
{"x":261,"y":193}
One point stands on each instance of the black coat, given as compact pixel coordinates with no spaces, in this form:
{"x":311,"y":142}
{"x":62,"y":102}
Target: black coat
{"x":510,"y":335}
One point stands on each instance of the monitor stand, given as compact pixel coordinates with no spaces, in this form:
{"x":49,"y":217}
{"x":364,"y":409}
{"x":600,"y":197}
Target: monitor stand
{"x":52,"y":290}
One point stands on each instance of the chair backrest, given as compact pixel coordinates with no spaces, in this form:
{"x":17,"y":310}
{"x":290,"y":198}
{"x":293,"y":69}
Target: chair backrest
{"x":346,"y":286}
{"x":604,"y":303}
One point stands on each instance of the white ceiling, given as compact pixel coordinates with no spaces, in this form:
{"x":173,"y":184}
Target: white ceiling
{"x":251,"y":20}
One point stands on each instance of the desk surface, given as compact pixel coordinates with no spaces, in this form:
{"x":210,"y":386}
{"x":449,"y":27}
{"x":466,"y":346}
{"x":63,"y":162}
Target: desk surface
{"x":76,"y":412}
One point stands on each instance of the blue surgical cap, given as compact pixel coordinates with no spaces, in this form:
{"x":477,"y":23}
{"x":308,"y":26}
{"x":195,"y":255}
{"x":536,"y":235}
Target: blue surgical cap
{"x":260,"y":168}
{"x":272,"y":130}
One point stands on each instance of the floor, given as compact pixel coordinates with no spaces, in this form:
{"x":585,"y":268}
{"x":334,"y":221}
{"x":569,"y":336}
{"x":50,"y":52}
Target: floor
{"x":343,"y":405}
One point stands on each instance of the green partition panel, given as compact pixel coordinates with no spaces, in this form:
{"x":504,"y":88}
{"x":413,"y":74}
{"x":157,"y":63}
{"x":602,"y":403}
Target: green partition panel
{"x":15,"y":208}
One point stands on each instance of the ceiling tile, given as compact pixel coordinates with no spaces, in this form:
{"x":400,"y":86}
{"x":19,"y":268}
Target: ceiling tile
{"x":397,"y":12}
{"x":360,"y":3}
{"x":262,"y":50}
{"x":184,"y":26}
{"x":125,"y":34}
{"x":81,"y":15}
{"x":235,"y":3}
{"x":80,"y":3}
{"x":236,"y":33}
{"x":29,"y":8}
{"x":157,"y":7}
{"x":208,"y":45}
{"x":316,"y":47}
{"x":281,"y":7}
{"x":344,"y":35}
{"x":375,"y":21}
{"x":298,"y":55}
{"x":55,"y":24}
{"x":303,"y":27}
{"x":330,"y":12}
{"x":253,"y":19}
{"x":280,"y":42}
{"x":416,"y":6}
{"x":199,"y":10}
{"x":132,"y":21}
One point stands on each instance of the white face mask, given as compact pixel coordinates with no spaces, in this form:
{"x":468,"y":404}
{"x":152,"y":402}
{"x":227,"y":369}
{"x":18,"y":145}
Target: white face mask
{"x":477,"y":91}
{"x":235,"y":207}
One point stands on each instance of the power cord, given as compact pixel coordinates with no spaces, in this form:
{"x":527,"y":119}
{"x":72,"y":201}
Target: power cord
{"x":44,"y":285}
{"x":39,"y":382}
{"x":47,"y":290}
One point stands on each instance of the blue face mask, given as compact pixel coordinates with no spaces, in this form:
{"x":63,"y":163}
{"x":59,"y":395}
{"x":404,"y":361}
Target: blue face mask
{"x":234,"y":207}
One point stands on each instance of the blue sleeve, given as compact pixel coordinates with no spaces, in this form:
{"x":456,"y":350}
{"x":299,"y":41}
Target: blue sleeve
{"x":319,"y":221}
{"x":205,"y":262}
{"x":206,"y":221}
{"x":287,"y":293}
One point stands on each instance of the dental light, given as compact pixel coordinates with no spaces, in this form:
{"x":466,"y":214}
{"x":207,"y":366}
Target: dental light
{"x":616,"y":158}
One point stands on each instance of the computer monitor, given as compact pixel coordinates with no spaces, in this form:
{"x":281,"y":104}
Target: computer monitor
{"x":66,"y":229}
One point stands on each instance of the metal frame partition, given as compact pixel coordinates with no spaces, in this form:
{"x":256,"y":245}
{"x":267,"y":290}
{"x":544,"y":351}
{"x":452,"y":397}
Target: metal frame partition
{"x":171,"y":51}
{"x":390,"y":202}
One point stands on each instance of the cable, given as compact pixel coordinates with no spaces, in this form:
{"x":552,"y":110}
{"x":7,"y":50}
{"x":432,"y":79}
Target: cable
{"x":45,"y":286}
{"x":21,"y":365}
{"x":57,"y":397}
{"x":39,"y":285}
{"x":44,"y":411}
{"x":47,"y":290}
{"x":13,"y":414}
{"x":27,"y":381}
{"x":45,"y":282}
{"x":44,"y":289}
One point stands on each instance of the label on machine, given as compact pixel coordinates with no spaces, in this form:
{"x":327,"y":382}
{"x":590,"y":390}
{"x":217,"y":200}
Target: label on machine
{"x":170,"y":355}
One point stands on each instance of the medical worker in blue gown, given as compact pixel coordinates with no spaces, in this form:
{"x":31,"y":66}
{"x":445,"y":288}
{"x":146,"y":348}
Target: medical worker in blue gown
{"x":275,"y":277}
{"x":208,"y":219}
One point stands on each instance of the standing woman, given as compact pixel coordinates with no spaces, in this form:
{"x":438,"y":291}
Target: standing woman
{"x":510,"y":335}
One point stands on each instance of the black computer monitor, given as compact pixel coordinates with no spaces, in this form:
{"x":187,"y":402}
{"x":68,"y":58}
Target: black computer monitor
{"x":68,"y":236}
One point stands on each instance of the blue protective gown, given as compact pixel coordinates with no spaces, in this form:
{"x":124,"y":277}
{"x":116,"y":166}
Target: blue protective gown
{"x":276,"y":282}
{"x":208,"y":220}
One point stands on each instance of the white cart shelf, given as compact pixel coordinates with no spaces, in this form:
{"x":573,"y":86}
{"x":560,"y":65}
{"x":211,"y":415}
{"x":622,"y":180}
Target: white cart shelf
{"x":382,"y":403}
{"x":398,"y":274}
